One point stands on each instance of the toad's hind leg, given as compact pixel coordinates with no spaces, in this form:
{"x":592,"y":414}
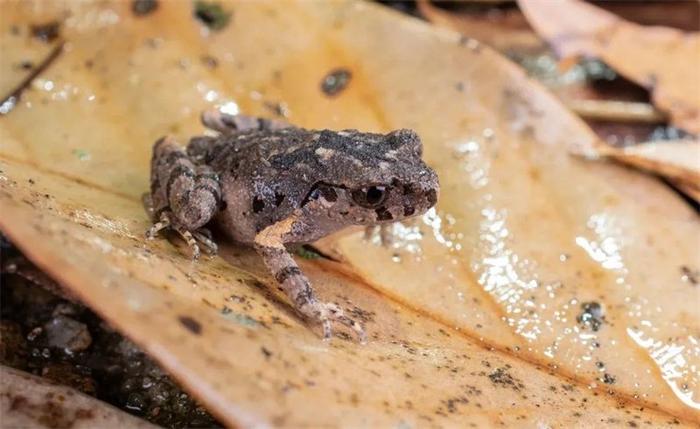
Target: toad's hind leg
{"x":226,"y":123}
{"x":184,"y":196}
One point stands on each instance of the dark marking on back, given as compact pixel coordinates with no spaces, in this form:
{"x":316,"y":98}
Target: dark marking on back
{"x":278,"y":199}
{"x":258,"y":204}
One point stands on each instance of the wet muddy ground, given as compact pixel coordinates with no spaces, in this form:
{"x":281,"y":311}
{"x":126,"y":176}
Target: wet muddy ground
{"x":48,"y":333}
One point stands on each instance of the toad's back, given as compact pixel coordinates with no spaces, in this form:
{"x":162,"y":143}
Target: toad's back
{"x":266,"y":175}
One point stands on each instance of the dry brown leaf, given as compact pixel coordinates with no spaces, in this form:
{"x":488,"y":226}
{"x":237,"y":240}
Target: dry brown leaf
{"x":690,"y":189}
{"x":27,"y":401}
{"x":664,"y":60}
{"x":472,"y":315}
{"x":678,"y":160}
{"x":503,"y":32}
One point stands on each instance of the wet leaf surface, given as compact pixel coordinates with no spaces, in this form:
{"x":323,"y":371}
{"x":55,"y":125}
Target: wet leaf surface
{"x":481,"y":313}
{"x":662,"y":59}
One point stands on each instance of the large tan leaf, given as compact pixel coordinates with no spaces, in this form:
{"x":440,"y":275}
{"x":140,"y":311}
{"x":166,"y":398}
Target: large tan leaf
{"x":664,"y":60}
{"x":471,"y":316}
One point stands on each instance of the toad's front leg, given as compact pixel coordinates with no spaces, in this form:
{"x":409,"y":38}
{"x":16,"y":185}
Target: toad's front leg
{"x":270,"y":244}
{"x":184,"y":196}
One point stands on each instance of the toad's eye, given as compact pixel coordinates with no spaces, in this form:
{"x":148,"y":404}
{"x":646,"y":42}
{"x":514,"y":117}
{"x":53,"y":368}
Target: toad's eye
{"x":370,"y":197}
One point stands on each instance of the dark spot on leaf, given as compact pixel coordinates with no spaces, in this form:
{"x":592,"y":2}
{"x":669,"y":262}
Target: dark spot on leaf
{"x":501,"y":377}
{"x":258,"y":204}
{"x":143,"y":7}
{"x":212,"y":14}
{"x":608,"y":379}
{"x":26,"y":65}
{"x":209,"y":61}
{"x":266,"y":352}
{"x":191,"y":324}
{"x":335,"y":81}
{"x":689,"y":275}
{"x":47,"y":32}
{"x":591,"y":315}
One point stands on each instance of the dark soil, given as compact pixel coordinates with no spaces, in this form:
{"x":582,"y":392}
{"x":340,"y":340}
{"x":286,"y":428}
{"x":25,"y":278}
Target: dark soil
{"x":59,"y":339}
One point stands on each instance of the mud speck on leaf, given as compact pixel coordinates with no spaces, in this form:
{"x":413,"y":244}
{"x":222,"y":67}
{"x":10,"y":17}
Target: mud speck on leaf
{"x":689,"y":275}
{"x":591,"y":315}
{"x":335,"y":81}
{"x":209,"y":61}
{"x":212,"y":14}
{"x":143,"y":7}
{"x":191,"y":324}
{"x":501,"y":377}
{"x":47,"y":32}
{"x":608,"y":379}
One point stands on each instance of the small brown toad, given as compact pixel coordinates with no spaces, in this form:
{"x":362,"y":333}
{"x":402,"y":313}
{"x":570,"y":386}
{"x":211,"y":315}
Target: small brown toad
{"x":270,"y":184}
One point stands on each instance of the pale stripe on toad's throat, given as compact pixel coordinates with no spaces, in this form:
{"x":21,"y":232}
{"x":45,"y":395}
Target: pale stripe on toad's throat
{"x":270,"y":236}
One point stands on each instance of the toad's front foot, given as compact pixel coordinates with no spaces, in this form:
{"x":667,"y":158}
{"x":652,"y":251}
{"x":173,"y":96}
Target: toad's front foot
{"x":326,"y":313}
{"x":194,"y":239}
{"x":270,"y":244}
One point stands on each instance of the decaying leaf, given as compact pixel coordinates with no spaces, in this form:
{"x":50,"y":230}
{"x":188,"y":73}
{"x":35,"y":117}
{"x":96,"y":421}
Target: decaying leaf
{"x":544,"y":290}
{"x":664,"y":60}
{"x":690,"y":189}
{"x":678,"y":160}
{"x":505,"y":32}
{"x":27,"y":401}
